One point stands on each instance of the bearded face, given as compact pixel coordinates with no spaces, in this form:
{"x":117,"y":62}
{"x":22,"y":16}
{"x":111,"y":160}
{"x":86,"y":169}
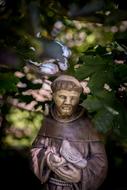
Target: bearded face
{"x":65,"y":102}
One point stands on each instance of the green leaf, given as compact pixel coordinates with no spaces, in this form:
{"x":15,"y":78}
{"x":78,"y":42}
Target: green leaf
{"x":113,"y":111}
{"x":121,"y":72}
{"x":30,"y":84}
{"x":121,"y":124}
{"x":91,"y":65}
{"x":25,"y":98}
{"x":8,"y":82}
{"x":108,"y":98}
{"x":100,"y":50}
{"x":92,"y":103}
{"x":83,"y":72}
{"x":97,"y":81}
{"x":101,"y":77}
{"x":96,"y":60}
{"x":103,"y":120}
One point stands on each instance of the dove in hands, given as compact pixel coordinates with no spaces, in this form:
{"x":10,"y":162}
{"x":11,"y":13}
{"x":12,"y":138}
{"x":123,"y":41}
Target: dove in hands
{"x":72,"y":155}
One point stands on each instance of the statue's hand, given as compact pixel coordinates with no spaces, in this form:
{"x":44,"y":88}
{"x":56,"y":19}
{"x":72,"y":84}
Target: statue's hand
{"x":69,"y":173}
{"x":54,"y":160}
{"x":50,"y":150}
{"x":66,"y":171}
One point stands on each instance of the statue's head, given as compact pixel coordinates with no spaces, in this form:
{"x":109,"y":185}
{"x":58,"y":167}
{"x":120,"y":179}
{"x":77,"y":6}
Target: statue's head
{"x":66,"y":93}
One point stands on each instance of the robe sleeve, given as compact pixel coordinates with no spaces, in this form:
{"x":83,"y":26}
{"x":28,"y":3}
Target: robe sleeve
{"x":38,"y":159}
{"x":95,"y":172}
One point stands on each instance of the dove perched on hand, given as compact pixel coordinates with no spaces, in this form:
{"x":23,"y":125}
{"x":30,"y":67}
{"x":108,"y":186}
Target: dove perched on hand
{"x":72,"y":155}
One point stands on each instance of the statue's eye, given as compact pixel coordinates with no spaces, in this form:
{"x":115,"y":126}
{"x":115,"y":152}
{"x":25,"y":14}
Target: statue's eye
{"x":62,"y":97}
{"x":73,"y":97}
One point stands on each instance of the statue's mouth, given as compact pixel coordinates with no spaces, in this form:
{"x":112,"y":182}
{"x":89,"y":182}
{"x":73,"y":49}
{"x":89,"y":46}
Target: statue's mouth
{"x":67,"y":107}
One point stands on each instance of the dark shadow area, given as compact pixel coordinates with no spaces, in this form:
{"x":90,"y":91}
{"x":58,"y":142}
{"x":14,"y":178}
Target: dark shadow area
{"x":117,"y":168}
{"x":15,"y":171}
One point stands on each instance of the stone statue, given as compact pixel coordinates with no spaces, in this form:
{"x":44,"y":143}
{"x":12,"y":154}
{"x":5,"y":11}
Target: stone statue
{"x":68,"y":153}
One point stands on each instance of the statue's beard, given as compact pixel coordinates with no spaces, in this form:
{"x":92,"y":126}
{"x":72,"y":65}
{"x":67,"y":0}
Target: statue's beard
{"x":66,"y":111}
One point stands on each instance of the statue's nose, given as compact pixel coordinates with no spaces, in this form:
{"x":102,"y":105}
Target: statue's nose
{"x":67,"y":100}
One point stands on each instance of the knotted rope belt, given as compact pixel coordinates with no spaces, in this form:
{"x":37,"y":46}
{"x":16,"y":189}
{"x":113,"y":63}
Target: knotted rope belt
{"x":59,"y":182}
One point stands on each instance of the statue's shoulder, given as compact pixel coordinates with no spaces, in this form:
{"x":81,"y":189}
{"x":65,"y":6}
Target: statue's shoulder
{"x":81,"y":128}
{"x":88,"y":127}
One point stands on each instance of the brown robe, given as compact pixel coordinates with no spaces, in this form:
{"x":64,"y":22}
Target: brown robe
{"x":81,"y":135}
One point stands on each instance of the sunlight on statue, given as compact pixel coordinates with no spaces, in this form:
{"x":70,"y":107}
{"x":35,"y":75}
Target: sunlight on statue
{"x":68,"y":153}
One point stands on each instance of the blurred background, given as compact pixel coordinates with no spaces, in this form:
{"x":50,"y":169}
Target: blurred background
{"x":39,"y":40}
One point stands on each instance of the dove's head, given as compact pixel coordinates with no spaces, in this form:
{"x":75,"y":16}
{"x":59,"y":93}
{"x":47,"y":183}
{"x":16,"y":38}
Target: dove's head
{"x":66,"y":94}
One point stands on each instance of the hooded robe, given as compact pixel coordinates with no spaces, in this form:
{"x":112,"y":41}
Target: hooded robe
{"x":81,"y":135}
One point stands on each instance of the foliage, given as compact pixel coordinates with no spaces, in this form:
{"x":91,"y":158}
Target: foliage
{"x":107,"y":82}
{"x":96,"y":33}
{"x":23,"y":127}
{"x":8,"y":83}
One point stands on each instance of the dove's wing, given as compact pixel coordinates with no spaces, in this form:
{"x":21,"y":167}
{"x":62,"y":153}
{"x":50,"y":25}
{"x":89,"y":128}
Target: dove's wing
{"x":48,"y":67}
{"x":70,"y":153}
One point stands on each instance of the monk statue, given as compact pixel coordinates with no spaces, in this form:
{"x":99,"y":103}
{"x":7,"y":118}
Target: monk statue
{"x":68,"y":153}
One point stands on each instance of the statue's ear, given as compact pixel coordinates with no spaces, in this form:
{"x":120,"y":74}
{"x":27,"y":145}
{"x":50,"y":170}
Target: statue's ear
{"x":53,"y":95}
